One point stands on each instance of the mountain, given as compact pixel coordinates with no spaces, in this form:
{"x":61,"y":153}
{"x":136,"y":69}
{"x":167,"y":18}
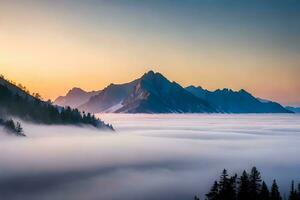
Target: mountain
{"x":152,"y":93}
{"x":110,"y":99}
{"x":293,"y":109}
{"x":75,"y":97}
{"x":156,"y":94}
{"x":229,"y":101}
{"x":17,"y":102}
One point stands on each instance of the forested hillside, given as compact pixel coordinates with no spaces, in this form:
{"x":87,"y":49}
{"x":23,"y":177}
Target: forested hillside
{"x":16,"y":102}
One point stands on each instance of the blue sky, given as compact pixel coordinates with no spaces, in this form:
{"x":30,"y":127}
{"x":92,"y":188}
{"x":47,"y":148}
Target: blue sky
{"x":212,"y":43}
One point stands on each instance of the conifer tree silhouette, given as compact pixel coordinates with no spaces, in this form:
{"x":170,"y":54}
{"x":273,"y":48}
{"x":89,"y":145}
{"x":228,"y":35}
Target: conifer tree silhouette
{"x":214,"y":192}
{"x":264,"y":193}
{"x":243,"y":188}
{"x":293,"y":192}
{"x":275,"y":194}
{"x":255,"y":183}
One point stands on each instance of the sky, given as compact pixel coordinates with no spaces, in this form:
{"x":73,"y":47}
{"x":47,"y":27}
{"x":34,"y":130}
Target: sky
{"x":52,"y":46}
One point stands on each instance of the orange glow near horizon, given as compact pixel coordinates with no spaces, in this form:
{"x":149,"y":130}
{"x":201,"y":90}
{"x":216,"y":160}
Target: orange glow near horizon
{"x":50,"y":53}
{"x":53,"y":83}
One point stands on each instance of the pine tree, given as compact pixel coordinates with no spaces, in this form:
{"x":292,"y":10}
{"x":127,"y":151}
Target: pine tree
{"x":223,"y":185}
{"x":293,"y":192}
{"x":19,"y":129}
{"x":196,"y":198}
{"x":298,"y":193}
{"x":255,"y":183}
{"x":275,"y":194}
{"x":243,"y":189}
{"x":264,"y":192}
{"x":232,"y":189}
{"x":227,"y":186}
{"x":214,"y":192}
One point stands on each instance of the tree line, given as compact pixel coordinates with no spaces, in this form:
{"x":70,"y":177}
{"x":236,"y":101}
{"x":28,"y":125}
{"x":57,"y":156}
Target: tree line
{"x":249,"y":186}
{"x":34,"y":109}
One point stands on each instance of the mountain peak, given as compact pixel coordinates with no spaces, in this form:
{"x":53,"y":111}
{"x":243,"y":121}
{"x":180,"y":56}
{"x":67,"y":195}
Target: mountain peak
{"x":154,"y":93}
{"x":75,"y":91}
{"x":151,"y":75}
{"x":227,"y":90}
{"x":192,"y":87}
{"x":243,"y":91}
{"x":150,"y":72}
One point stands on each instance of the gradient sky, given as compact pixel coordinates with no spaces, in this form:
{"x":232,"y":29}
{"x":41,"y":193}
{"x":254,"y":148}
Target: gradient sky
{"x":52,"y":46}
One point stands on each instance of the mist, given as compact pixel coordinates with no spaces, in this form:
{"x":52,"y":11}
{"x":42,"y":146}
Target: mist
{"x":148,"y":157}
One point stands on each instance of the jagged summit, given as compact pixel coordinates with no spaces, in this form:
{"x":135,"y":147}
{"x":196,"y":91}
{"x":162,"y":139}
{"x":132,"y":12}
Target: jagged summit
{"x":154,"y":76}
{"x":150,"y":73}
{"x":76,"y":91}
{"x":154,"y":93}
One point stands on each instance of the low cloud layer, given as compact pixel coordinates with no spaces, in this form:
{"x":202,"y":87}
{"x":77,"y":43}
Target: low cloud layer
{"x":149,"y":157}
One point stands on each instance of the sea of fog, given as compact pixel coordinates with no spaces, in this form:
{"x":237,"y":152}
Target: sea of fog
{"x":148,"y":157}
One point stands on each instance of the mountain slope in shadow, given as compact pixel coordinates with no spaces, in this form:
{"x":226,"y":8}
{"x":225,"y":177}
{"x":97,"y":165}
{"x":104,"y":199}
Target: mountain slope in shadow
{"x":229,"y":101}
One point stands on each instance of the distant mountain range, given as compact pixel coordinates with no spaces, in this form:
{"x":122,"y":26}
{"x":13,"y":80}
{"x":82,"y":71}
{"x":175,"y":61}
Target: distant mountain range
{"x":153,"y":93}
{"x":75,"y":97}
{"x":229,"y":101}
{"x":293,"y":109}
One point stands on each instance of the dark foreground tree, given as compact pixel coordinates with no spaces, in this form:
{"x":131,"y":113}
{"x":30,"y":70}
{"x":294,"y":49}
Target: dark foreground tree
{"x":196,"y":197}
{"x":298,"y":194}
{"x":214,"y":193}
{"x":264,"y":193}
{"x":243,"y":188}
{"x":275,"y":194}
{"x":293,"y":193}
{"x":225,"y":189}
{"x":224,"y":185}
{"x":254,"y":183}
